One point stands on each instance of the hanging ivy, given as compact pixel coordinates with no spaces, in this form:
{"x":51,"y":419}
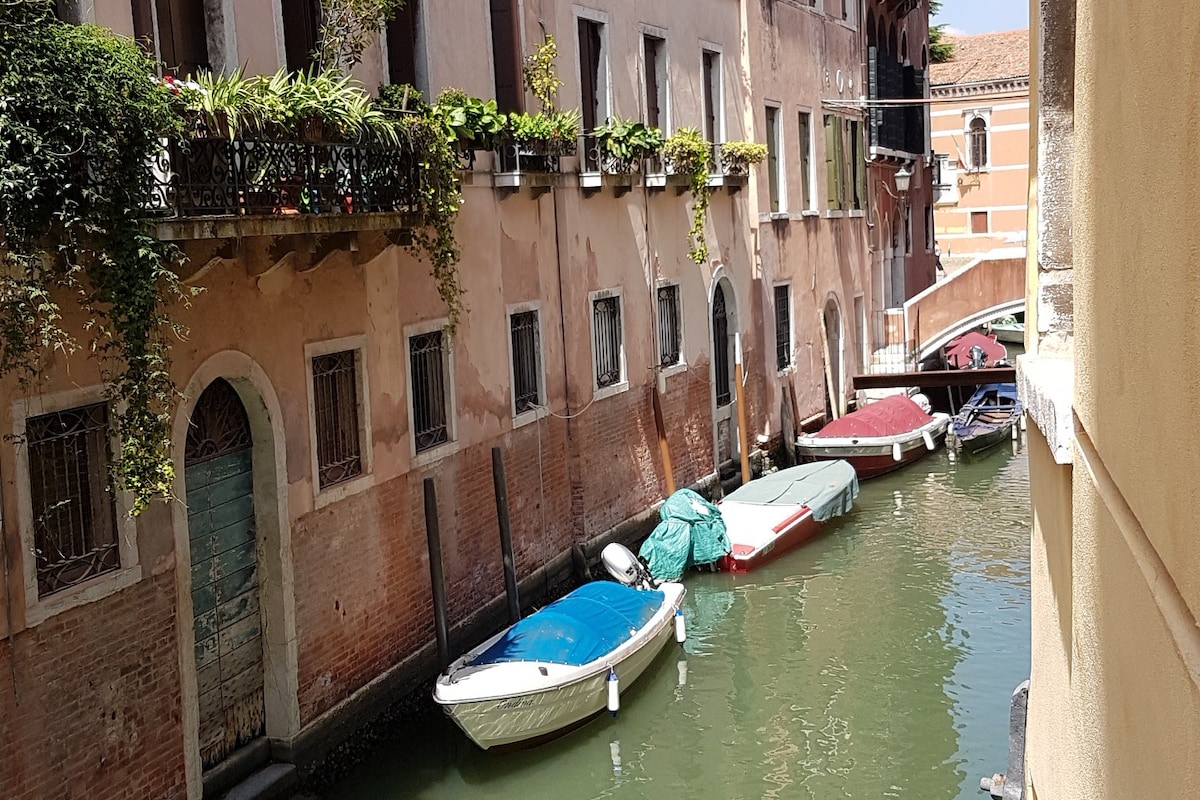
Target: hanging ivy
{"x":689,"y":153}
{"x":80,"y":120}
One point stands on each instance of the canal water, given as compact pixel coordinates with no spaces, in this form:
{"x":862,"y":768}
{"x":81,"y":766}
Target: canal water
{"x":874,"y":662}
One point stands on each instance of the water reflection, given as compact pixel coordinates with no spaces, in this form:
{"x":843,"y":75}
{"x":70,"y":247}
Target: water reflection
{"x":874,"y":662}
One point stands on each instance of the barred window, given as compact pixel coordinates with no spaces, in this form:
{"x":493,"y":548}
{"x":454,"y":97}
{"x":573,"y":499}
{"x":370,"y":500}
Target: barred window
{"x":526,"y":361}
{"x":670,"y":328}
{"x":783,"y":326}
{"x":338,"y":418}
{"x":430,"y":399}
{"x":74,"y":514}
{"x":977,"y":133}
{"x":606,"y":316}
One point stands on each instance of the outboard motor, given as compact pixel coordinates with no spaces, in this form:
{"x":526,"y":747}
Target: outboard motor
{"x":978,"y":357}
{"x":624,"y":566}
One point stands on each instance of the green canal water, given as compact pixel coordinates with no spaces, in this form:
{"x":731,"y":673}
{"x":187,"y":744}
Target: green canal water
{"x":874,"y":662}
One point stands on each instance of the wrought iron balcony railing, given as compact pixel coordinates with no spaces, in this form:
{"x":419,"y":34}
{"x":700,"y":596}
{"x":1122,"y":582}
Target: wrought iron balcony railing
{"x":244,"y":177}
{"x":533,"y":156}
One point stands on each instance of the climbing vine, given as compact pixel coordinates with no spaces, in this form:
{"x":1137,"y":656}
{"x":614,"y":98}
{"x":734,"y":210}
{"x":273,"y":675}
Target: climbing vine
{"x":540,"y":77}
{"x":80,"y":120}
{"x":689,"y":153}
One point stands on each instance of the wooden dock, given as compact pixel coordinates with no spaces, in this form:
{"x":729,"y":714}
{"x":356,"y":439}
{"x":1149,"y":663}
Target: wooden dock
{"x":936,"y":377}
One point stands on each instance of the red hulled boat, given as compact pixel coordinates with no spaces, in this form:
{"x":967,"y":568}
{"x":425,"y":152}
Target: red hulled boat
{"x":877,"y":438}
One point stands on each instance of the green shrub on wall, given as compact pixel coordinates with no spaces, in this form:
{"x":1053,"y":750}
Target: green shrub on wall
{"x":80,"y":120}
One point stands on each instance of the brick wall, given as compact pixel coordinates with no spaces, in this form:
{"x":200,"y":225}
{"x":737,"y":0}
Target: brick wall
{"x":96,"y":708}
{"x":363,"y":598}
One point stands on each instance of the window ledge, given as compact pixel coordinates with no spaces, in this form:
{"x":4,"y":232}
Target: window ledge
{"x":528,"y":417}
{"x":1046,"y":387}
{"x":810,"y":212}
{"x":89,"y":591}
{"x":434,"y":454}
{"x":674,"y":369}
{"x":857,"y":212}
{"x":609,"y":391}
{"x":340,"y":491}
{"x":834,"y":213}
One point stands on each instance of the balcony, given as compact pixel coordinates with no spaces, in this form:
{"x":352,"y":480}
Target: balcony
{"x":215,"y":188}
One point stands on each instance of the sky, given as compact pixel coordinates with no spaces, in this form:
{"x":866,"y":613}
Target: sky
{"x":983,"y":16}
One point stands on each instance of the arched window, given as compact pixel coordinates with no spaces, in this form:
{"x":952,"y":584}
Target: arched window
{"x":978,"y":143}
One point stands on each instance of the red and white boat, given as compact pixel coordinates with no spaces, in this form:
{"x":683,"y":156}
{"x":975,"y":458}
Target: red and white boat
{"x":769,"y":516}
{"x":877,"y":438}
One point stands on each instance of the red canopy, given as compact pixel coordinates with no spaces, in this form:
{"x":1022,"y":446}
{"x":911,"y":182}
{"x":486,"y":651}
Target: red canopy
{"x":958,"y":351}
{"x":886,"y":417}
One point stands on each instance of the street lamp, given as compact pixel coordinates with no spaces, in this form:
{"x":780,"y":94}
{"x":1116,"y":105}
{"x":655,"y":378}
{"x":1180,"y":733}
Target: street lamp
{"x":903,"y":176}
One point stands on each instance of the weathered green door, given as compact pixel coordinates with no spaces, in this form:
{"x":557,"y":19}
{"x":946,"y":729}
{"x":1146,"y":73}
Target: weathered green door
{"x":218,"y":474}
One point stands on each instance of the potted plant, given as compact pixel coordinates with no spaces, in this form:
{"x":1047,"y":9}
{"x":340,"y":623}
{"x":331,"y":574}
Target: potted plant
{"x":478,"y":124}
{"x":624,"y":144}
{"x":737,"y":157}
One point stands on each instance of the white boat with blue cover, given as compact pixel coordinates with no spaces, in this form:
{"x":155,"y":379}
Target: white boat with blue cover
{"x":552,"y":670}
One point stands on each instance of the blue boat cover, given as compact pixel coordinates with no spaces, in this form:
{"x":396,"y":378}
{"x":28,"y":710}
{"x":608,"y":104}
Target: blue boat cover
{"x":587,"y":624}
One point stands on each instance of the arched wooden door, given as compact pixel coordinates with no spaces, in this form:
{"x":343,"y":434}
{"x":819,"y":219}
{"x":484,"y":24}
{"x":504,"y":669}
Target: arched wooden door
{"x":219,"y":479}
{"x":722,"y":375}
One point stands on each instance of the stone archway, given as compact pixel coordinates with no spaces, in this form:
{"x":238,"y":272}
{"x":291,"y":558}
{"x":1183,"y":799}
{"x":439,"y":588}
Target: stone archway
{"x":276,"y":593}
{"x":724,"y":326}
{"x":223,"y":552}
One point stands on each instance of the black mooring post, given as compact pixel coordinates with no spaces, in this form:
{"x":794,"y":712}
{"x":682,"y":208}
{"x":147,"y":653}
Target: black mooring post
{"x":441,"y":619}
{"x":506,"y":550}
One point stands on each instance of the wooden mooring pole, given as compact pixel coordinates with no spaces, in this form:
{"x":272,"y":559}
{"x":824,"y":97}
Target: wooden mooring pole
{"x":506,"y":548}
{"x":441,"y":617}
{"x":664,"y":448}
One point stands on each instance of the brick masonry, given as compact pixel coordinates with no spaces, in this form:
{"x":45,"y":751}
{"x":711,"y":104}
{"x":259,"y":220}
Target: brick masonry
{"x":95,"y":712}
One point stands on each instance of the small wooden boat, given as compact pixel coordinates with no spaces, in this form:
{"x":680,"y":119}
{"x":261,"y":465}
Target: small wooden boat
{"x":987,"y":418}
{"x":877,"y":438}
{"x":1008,"y":329}
{"x":558,"y":667}
{"x":777,"y":512}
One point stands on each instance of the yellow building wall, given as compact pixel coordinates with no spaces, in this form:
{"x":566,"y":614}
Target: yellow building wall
{"x":1114,"y":708}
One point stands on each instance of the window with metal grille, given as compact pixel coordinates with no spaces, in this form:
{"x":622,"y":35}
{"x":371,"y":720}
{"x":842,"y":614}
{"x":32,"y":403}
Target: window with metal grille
{"x":74,"y":516}
{"x":783,"y":326}
{"x":526,"y":361}
{"x":427,"y":373}
{"x":338,"y":420}
{"x":670,"y":327}
{"x":606,"y":323}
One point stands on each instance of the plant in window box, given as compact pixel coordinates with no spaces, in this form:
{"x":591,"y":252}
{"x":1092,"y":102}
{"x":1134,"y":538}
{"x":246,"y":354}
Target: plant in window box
{"x":550,"y":134}
{"x":625,"y":144}
{"x":687,"y":152}
{"x":738,"y":157}
{"x":473,"y":123}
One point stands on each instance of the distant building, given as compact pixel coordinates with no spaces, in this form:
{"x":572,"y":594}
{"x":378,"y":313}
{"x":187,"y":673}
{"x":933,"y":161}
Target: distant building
{"x":980,"y":135}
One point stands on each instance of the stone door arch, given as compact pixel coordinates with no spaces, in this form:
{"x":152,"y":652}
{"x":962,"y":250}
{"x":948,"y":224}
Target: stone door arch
{"x":223,"y":544}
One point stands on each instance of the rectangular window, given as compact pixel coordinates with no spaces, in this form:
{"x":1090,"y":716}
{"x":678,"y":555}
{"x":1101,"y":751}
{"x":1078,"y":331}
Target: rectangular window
{"x":835,"y":164}
{"x":402,"y":32}
{"x":670,"y":327}
{"x":338,"y":417}
{"x":712,"y":96}
{"x":182,"y":36}
{"x":430,"y":394}
{"x":506,"y":55}
{"x":783,"y":326}
{"x":301,"y":22}
{"x":609,"y":341}
{"x":774,"y":162}
{"x":526,"y":361}
{"x":654,"y":51}
{"x":74,"y":516}
{"x":979,"y":222}
{"x":857,"y":167}
{"x":592,"y":85}
{"x":806,"y":160}
{"x":928,"y":228}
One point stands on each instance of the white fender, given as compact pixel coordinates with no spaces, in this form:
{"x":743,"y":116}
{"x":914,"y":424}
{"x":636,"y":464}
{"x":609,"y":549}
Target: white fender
{"x":680,"y":627}
{"x":896,"y":451}
{"x":614,"y":693}
{"x":928,"y":437}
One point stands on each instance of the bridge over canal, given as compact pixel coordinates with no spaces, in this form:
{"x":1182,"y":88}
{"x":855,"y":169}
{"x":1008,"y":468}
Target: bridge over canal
{"x":992,"y":286}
